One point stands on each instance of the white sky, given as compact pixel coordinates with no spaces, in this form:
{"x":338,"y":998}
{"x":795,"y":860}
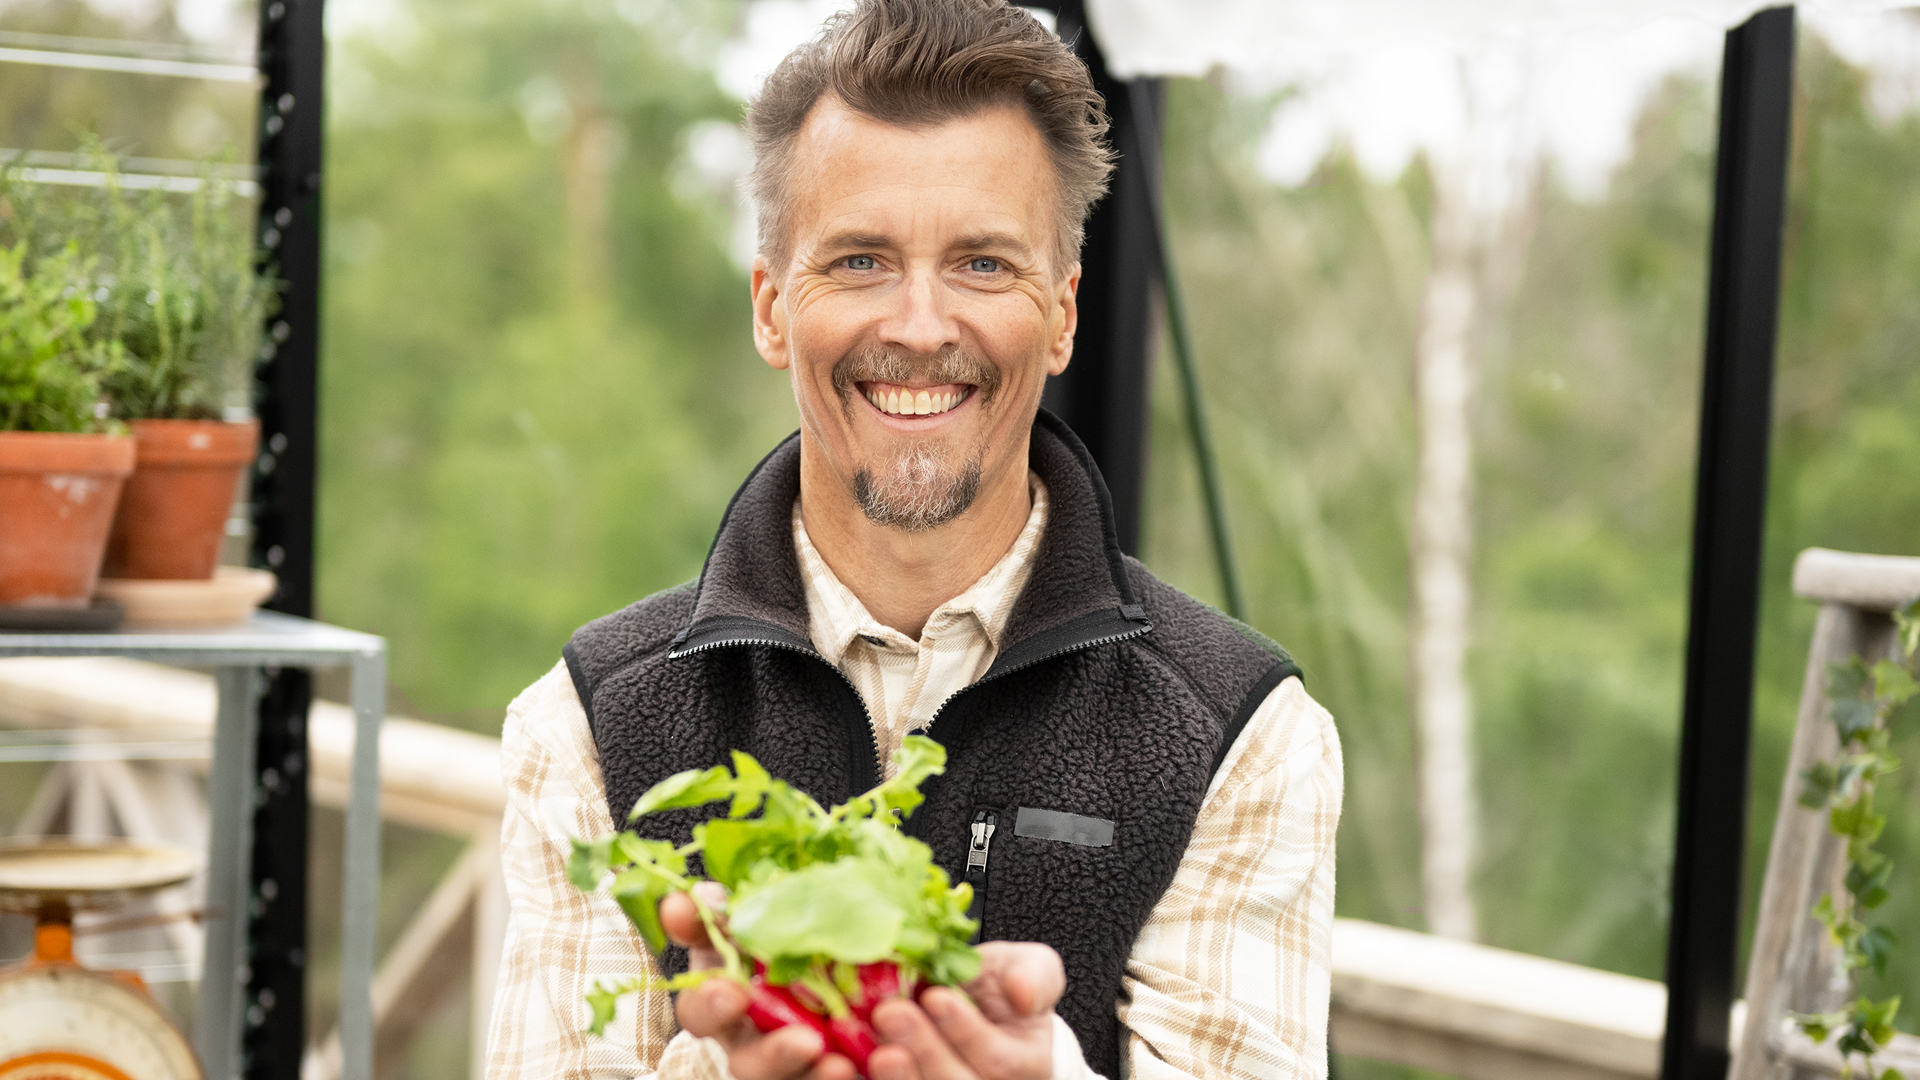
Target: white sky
{"x":1491,"y":83}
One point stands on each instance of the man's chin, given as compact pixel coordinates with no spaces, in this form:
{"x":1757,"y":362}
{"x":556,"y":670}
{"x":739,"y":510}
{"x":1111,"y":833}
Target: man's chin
{"x":917,"y":491}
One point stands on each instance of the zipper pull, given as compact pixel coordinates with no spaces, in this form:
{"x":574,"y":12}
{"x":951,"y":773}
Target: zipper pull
{"x":984,"y":823}
{"x":983,"y":826}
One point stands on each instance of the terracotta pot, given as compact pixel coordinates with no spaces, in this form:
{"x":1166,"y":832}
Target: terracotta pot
{"x":57,"y":495}
{"x":173,"y":516}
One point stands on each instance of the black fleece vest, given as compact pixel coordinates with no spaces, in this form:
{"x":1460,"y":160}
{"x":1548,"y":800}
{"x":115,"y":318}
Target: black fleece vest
{"x":1088,"y":743}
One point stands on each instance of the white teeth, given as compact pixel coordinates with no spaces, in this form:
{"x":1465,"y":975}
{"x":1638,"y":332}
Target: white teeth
{"x":915,"y":403}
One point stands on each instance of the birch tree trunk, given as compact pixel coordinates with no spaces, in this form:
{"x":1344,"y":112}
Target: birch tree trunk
{"x":1440,"y":557}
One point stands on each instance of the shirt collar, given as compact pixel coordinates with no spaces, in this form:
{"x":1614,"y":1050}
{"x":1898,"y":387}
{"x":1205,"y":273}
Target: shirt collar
{"x":836,"y":616}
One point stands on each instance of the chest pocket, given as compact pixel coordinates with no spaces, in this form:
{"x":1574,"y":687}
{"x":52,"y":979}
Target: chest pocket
{"x":1052,"y":827}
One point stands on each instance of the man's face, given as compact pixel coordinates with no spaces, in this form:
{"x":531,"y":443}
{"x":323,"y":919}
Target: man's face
{"x":920,"y":310}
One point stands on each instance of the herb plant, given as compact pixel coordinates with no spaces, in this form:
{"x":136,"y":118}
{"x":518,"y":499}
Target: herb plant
{"x":829,"y":911}
{"x":50,"y":370}
{"x":176,"y":284}
{"x":1864,"y":704}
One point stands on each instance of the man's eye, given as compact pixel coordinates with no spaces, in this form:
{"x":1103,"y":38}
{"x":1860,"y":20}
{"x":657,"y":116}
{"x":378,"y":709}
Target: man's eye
{"x":984,"y":266}
{"x":861,"y":262}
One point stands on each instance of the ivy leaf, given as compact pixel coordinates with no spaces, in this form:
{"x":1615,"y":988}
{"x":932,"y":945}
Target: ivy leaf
{"x":1817,"y":782}
{"x":1892,"y":1074}
{"x":1876,"y":1019}
{"x":1892,"y":683}
{"x":695,"y":787}
{"x":1853,"y":716}
{"x":1846,"y":681}
{"x":1877,"y":946}
{"x":1867,"y":880}
{"x":1907,"y":624}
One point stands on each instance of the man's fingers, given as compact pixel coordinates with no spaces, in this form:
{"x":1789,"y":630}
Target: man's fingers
{"x":990,"y":1050}
{"x":682,"y":921}
{"x":716,"y":1009}
{"x":1018,"y":979}
{"x":786,"y":1054}
{"x":905,"y":1026}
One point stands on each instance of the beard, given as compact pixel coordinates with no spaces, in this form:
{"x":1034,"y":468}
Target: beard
{"x":925,"y":484}
{"x":921,"y":488}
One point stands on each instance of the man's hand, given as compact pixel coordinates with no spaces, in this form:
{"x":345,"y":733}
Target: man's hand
{"x":1009,"y":1036}
{"x":718,"y":1009}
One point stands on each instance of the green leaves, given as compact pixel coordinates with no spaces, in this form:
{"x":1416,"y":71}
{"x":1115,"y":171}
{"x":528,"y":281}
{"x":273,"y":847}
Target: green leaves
{"x":813,"y":891}
{"x":1865,"y":703}
{"x":695,"y":787}
{"x":851,"y":910}
{"x":50,"y":372}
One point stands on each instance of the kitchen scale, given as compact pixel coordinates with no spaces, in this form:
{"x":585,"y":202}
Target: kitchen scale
{"x":60,"y":1020}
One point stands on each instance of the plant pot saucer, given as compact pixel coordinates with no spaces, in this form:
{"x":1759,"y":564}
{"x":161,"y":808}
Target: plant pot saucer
{"x":226,"y":598}
{"x":99,"y":616}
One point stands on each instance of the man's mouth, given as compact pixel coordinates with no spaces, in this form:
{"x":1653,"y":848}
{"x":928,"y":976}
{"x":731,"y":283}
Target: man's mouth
{"x":897,"y":400}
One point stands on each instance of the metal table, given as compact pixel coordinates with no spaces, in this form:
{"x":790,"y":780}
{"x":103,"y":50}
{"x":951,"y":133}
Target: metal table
{"x":237,"y":653}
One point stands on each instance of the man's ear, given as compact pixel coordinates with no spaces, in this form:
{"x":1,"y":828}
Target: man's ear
{"x":1066,"y":302}
{"x":769,"y":317}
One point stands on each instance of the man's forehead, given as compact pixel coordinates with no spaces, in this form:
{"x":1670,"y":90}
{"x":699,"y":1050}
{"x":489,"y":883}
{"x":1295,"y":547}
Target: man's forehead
{"x":984,"y":176}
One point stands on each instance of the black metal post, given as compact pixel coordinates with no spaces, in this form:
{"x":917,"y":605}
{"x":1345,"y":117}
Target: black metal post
{"x":1103,"y":394}
{"x":1736,"y":407}
{"x":292,"y":66}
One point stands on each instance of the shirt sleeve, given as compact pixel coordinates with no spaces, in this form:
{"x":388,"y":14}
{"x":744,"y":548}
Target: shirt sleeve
{"x":1230,"y":977}
{"x":560,"y":941}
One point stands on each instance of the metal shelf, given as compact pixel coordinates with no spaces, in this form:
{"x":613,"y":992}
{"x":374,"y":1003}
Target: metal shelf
{"x":238,"y":654}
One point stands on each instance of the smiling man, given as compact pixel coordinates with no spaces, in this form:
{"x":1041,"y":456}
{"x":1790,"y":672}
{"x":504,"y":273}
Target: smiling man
{"x":1139,"y":789}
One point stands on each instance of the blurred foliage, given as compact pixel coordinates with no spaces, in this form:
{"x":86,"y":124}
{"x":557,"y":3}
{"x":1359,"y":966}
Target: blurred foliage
{"x":539,"y":387}
{"x":1304,"y":303}
{"x":539,"y":391}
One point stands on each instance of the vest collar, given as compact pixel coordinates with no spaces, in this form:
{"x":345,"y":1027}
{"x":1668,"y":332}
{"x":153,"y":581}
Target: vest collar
{"x":1078,"y":594}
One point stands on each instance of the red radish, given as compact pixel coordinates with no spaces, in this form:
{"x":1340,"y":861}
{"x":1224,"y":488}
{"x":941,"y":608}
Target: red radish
{"x":878,"y":982}
{"x":853,"y":1037}
{"x":773,"y":1007}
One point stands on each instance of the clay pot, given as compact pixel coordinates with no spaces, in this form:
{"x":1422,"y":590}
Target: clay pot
{"x":57,"y":496}
{"x":173,"y":515}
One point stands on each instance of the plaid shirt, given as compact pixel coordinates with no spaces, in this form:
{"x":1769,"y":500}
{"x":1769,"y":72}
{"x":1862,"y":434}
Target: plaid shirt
{"x":1229,"y":977}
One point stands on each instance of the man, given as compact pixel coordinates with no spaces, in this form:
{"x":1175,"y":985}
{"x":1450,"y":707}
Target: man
{"x":1139,"y":789}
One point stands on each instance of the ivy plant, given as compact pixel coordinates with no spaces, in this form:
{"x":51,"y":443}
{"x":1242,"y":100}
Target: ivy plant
{"x":1865,"y":703}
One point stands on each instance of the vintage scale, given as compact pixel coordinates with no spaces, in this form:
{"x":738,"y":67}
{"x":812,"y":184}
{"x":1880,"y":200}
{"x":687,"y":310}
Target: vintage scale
{"x":58,"y":1019}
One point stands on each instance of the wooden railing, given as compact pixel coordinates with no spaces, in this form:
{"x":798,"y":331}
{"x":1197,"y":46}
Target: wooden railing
{"x":1453,"y":1007}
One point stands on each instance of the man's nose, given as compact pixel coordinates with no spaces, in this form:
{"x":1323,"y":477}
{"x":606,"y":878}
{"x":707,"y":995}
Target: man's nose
{"x":922,"y":321}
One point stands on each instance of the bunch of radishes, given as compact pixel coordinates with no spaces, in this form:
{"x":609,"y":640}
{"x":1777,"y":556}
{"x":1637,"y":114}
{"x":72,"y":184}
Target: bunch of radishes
{"x":830,"y":912}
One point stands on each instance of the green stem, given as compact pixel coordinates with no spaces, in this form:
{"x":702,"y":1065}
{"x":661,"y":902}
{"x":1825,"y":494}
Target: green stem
{"x":729,"y":955}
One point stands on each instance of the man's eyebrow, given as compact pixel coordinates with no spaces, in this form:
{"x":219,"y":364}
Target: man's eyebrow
{"x":994,"y":241}
{"x":849,"y":240}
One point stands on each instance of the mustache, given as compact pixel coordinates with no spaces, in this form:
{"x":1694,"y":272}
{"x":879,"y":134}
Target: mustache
{"x":890,"y":364}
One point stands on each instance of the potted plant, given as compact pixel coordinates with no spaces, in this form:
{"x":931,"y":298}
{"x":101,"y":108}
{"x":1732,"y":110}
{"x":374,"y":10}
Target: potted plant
{"x":181,"y":301}
{"x":62,"y":461}
{"x":186,"y":305}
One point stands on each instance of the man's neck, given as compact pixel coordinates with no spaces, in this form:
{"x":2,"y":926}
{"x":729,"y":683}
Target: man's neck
{"x":903,"y":576}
